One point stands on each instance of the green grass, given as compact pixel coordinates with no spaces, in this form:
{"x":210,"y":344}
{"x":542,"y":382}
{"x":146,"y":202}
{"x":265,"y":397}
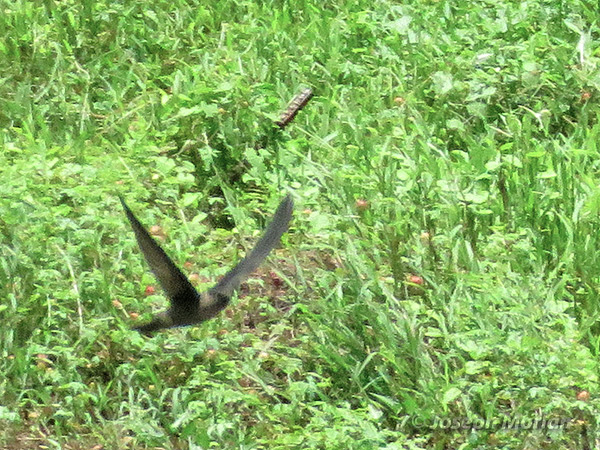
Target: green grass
{"x":471,"y":132}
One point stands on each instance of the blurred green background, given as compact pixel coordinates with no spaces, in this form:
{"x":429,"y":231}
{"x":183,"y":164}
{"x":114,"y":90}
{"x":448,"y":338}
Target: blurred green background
{"x":442,"y":268}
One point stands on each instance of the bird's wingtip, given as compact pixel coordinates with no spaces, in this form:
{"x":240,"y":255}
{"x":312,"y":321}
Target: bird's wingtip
{"x":287,"y":204}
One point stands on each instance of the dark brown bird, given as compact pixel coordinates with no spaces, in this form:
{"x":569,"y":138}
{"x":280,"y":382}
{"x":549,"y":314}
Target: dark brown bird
{"x":188,"y":306}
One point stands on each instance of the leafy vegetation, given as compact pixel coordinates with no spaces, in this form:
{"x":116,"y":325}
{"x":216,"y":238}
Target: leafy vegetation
{"x":438,"y":287}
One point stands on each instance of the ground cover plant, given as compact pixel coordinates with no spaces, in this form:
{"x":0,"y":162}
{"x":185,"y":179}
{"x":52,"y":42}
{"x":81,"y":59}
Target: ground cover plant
{"x":438,"y":287}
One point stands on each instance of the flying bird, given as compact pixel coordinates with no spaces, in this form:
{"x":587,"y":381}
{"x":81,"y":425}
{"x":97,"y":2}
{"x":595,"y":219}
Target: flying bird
{"x":188,"y":306}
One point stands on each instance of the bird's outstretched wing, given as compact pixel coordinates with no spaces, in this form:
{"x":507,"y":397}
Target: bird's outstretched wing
{"x":175,"y":284}
{"x":279,"y":225}
{"x":187,"y":305}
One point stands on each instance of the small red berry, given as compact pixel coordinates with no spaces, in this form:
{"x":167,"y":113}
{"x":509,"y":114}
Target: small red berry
{"x":149,"y":290}
{"x":585,"y":96}
{"x":361,"y":204}
{"x":584,"y":396}
{"x":415,"y":279}
{"x":276,"y":279}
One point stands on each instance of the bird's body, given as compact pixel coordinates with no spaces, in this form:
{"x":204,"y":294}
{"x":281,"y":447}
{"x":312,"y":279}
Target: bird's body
{"x":188,"y":306}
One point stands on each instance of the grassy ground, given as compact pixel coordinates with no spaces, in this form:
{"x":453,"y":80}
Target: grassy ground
{"x":439,"y":285}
